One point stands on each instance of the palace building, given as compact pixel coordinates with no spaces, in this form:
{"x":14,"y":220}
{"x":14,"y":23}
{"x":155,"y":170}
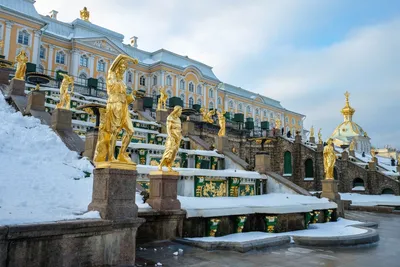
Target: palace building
{"x":85,"y":50}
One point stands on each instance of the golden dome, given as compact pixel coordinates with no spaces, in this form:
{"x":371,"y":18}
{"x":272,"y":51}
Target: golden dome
{"x":347,"y":111}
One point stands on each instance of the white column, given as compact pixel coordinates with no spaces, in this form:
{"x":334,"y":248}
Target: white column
{"x":50,"y":60}
{"x":75,"y":62}
{"x":136,"y":79}
{"x":7,"y":40}
{"x":36,"y":47}
{"x":91,"y":65}
{"x":162,"y":82}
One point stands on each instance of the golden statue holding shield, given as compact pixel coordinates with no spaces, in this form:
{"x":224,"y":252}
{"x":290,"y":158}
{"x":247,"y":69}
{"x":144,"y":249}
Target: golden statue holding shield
{"x":116,"y":117}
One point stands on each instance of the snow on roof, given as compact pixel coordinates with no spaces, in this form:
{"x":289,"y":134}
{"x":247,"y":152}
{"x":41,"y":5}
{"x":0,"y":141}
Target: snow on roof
{"x":24,"y":7}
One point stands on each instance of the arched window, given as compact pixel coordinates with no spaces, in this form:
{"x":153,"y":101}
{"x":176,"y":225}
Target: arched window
{"x":154,"y":80}
{"x":101,"y":84}
{"x":84,"y":61}
{"x":60,"y":57}
{"x":257,"y":111}
{"x":199,"y":101}
{"x":358,"y":182}
{"x":388,"y":191}
{"x":191,"y":87}
{"x":211,"y":105}
{"x":23,"y":37}
{"x":240,"y":108}
{"x":230,"y":104}
{"x":129,"y":77}
{"x":287,"y":119}
{"x":41,"y":69}
{"x":190,"y":102}
{"x":257,"y":122}
{"x":210,"y":93}
{"x":265,"y":113}
{"x":169,"y":80}
{"x":248,"y":110}
{"x":287,"y":163}
{"x":82,"y":79}
{"x":271,"y":116}
{"x":199,"y":90}
{"x":293,"y":121}
{"x":42,"y":52}
{"x":183,"y":99}
{"x":142,"y":80}
{"x":219,"y":101}
{"x":101,"y":65}
{"x":309,"y":168}
{"x":182,"y":84}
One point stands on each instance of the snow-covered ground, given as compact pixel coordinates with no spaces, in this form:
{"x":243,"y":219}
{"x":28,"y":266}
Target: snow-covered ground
{"x":332,"y":229}
{"x":371,"y":200}
{"x":40,"y":178}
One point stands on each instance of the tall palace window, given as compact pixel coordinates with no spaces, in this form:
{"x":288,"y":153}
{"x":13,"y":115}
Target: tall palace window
{"x":60,"y":57}
{"x":23,"y":37}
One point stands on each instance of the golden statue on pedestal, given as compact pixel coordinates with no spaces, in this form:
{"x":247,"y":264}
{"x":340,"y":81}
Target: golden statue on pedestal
{"x":174,"y":137}
{"x":207,"y":116}
{"x":277,"y":123}
{"x":116,"y":118}
{"x":329,"y":159}
{"x":320,"y":137}
{"x":21,"y":60}
{"x":85,"y":14}
{"x":312,"y":132}
{"x":222,"y":123}
{"x":162,"y":101}
{"x":65,"y":96}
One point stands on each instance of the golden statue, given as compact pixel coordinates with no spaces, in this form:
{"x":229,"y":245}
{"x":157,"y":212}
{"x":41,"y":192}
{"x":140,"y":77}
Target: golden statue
{"x":116,"y":117}
{"x":373,"y":153}
{"x":329,"y":159}
{"x":320,"y":136}
{"x":162,"y":101}
{"x":37,"y":87}
{"x":85,"y":14}
{"x":277,"y":123}
{"x":65,"y":96}
{"x":174,"y":137}
{"x":222,"y":123}
{"x":352,"y":145}
{"x":312,"y":132}
{"x":21,"y":60}
{"x":207,"y":116}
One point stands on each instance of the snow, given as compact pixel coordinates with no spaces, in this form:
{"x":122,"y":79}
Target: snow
{"x":40,"y":178}
{"x":309,"y":179}
{"x":342,"y":227}
{"x":358,"y":188}
{"x":371,"y":200}
{"x":274,"y":203}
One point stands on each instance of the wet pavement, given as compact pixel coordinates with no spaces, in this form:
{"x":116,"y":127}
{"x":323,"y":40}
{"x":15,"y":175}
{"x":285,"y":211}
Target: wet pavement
{"x":385,"y":253}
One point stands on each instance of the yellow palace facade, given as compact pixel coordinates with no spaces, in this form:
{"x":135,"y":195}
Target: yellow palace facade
{"x":86,"y":50}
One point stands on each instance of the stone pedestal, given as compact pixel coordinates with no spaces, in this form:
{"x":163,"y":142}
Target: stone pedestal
{"x":352,"y":153}
{"x":36,"y":101}
{"x":16,"y":87}
{"x":330,"y":189}
{"x":5,"y":75}
{"x":164,"y":191}
{"x":372,"y":166}
{"x":345,"y":155}
{"x":161,"y":116}
{"x":90,"y":143}
{"x":320,"y":147}
{"x":398,"y":168}
{"x":138,"y":104}
{"x":312,"y":140}
{"x":187,"y":128}
{"x":114,"y":193}
{"x":297,"y":139}
{"x":263,"y":162}
{"x":61,"y":119}
{"x":222,"y":143}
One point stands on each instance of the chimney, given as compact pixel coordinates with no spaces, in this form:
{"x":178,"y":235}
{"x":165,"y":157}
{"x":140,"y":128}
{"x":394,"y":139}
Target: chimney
{"x":53,"y":14}
{"x":134,"y":41}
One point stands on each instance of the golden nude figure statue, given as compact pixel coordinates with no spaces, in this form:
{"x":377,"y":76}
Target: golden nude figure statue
{"x":162,"y":101}
{"x":116,"y":116}
{"x":320,"y":136}
{"x":65,"y":96}
{"x":21,"y":60}
{"x":329,"y":159}
{"x":222,"y":123}
{"x":312,"y":131}
{"x":85,"y":14}
{"x":174,"y":137}
{"x":207,"y":116}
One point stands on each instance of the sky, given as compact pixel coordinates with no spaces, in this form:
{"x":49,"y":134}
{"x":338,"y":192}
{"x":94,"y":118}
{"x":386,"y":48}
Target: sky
{"x":304,"y":53}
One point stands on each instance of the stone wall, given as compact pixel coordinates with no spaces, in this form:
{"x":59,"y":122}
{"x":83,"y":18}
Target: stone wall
{"x":69,"y":243}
